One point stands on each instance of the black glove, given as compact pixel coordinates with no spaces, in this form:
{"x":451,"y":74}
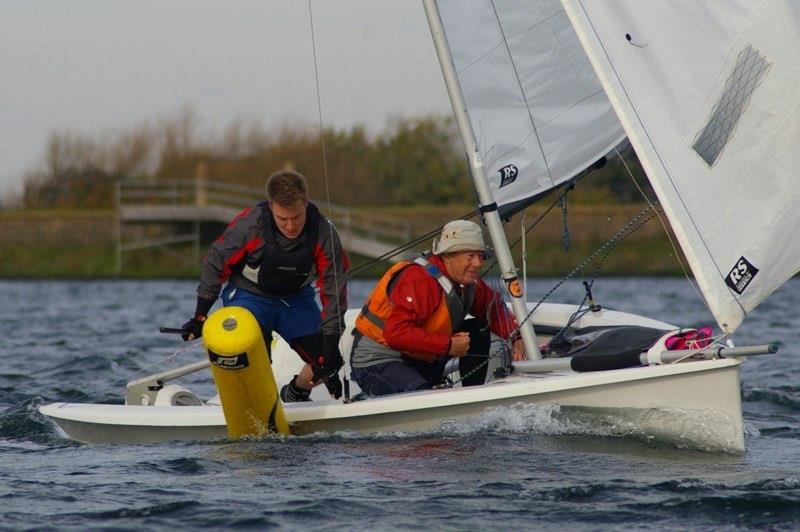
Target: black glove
{"x":321,"y":352}
{"x":193,"y":328}
{"x":328,"y":369}
{"x":331,"y":360}
{"x":334,"y":386}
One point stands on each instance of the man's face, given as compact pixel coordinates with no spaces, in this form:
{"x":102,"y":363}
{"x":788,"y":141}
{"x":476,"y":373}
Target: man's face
{"x":464,"y":267}
{"x":290,"y":220}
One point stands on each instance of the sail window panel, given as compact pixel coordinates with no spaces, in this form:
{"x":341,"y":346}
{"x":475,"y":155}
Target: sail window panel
{"x":750,"y":69}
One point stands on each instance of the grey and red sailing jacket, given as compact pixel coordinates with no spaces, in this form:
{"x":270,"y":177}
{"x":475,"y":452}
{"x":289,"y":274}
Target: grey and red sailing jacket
{"x":252,"y":254}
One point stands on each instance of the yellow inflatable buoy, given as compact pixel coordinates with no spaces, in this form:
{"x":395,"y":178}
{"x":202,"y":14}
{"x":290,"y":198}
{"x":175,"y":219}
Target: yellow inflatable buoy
{"x":243,"y":373}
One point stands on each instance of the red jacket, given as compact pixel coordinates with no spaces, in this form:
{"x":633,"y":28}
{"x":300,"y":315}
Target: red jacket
{"x":416,"y":296}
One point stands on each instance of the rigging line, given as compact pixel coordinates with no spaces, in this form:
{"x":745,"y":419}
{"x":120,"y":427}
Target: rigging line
{"x":524,"y":97}
{"x":559,"y":336}
{"x":714,"y":341}
{"x":609,"y":245}
{"x":335,"y":265}
{"x":507,"y":318}
{"x":627,"y":231}
{"x":404,"y":247}
{"x":524,"y":251}
{"x":127,"y":378}
{"x":536,"y":222}
{"x":663,"y":224}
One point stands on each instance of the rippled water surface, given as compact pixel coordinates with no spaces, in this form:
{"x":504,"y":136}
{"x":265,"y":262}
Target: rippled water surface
{"x":509,"y":469}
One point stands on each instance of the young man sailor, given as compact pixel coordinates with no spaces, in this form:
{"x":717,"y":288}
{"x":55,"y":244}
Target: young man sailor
{"x":414,"y":321}
{"x":269,"y":255}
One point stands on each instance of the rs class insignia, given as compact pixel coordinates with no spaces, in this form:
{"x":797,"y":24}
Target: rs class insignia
{"x":508,"y":174}
{"x":741,"y":275}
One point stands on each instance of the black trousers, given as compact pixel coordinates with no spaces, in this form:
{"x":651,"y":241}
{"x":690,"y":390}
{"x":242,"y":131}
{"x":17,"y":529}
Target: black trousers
{"x":411,"y":374}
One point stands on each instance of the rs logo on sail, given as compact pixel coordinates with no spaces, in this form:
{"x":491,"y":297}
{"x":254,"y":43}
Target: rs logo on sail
{"x":508,"y":174}
{"x":741,"y":275}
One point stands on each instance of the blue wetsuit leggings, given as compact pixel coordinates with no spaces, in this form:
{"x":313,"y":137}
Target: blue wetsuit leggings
{"x":291,"y":317}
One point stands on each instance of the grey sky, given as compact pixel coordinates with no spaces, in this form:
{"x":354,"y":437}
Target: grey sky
{"x":99,"y":65}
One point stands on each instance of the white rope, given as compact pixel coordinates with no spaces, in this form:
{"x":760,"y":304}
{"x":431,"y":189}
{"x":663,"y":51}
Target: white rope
{"x":714,"y":341}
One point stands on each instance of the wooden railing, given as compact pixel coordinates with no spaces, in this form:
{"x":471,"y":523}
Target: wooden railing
{"x":205,"y":200}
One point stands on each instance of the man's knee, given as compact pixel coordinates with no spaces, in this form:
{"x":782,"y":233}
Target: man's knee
{"x":389,"y":378}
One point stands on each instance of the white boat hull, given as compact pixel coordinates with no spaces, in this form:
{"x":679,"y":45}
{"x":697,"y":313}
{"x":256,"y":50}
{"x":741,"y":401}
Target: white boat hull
{"x":693,"y":403}
{"x":696,"y":404}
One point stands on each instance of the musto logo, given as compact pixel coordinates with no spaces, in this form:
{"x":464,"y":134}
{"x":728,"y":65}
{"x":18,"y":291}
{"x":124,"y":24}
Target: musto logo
{"x":741,"y":275}
{"x":228,"y":362}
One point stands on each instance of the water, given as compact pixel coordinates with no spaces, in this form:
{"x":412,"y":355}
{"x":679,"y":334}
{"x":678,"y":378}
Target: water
{"x":510,"y":469}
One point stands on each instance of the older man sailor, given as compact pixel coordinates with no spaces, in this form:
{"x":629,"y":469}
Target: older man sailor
{"x":414,"y":321}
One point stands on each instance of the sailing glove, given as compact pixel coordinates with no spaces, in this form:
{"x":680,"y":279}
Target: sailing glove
{"x":329,"y":364}
{"x":193,"y":328}
{"x":321,"y":352}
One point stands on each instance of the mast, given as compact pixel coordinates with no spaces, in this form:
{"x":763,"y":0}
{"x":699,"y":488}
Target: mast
{"x":488,"y":206}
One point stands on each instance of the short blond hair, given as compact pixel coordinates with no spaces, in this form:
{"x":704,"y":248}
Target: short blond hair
{"x":286,"y":188}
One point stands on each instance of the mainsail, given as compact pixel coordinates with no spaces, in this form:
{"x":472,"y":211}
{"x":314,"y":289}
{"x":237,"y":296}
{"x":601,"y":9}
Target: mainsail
{"x":539,"y":113}
{"x":708,"y":93}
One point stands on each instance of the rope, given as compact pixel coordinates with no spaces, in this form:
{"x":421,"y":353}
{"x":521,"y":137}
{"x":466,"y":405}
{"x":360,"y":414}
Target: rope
{"x":663,"y":224}
{"x":539,"y":219}
{"x":566,"y":243}
{"x":10,"y":411}
{"x":339,"y":314}
{"x":405,"y":247}
{"x":603,"y":251}
{"x":524,"y":257}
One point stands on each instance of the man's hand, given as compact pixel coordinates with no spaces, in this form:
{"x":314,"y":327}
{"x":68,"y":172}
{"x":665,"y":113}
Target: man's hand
{"x":459,"y":344}
{"x":193,"y":328}
{"x":327,"y":369}
{"x":334,"y":386}
{"x":518,"y":350}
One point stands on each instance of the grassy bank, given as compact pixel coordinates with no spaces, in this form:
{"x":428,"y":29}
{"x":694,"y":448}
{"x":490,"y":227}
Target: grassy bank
{"x":79,"y":245}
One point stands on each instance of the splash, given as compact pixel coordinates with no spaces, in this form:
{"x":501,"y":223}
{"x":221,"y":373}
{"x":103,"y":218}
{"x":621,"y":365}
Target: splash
{"x":703,"y":430}
{"x":698,"y":430}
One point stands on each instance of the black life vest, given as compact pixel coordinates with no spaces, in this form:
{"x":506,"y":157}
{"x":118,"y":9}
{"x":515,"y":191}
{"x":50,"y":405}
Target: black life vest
{"x":281,"y":272}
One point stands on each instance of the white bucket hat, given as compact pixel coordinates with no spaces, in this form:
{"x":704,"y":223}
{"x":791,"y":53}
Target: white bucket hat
{"x":460,"y":235}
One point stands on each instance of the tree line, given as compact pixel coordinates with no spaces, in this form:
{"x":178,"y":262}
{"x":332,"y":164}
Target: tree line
{"x":416,"y":161}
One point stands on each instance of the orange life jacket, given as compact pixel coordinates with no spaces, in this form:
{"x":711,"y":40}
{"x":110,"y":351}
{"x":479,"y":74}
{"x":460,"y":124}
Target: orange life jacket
{"x":447,"y":318}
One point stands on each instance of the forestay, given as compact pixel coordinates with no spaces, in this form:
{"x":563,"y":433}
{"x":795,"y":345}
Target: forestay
{"x":708,"y":94}
{"x":538,"y":111}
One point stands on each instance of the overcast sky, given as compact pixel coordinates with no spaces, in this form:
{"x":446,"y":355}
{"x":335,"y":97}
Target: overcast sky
{"x":100,"y":65}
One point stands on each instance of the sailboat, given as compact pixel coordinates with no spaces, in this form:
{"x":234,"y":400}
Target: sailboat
{"x":706,"y":94}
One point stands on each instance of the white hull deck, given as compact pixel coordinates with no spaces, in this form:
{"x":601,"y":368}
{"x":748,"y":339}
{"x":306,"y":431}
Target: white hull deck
{"x":694,"y":403}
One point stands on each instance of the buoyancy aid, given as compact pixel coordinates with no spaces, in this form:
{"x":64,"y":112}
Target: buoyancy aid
{"x":447,"y":318}
{"x":281,"y":273}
